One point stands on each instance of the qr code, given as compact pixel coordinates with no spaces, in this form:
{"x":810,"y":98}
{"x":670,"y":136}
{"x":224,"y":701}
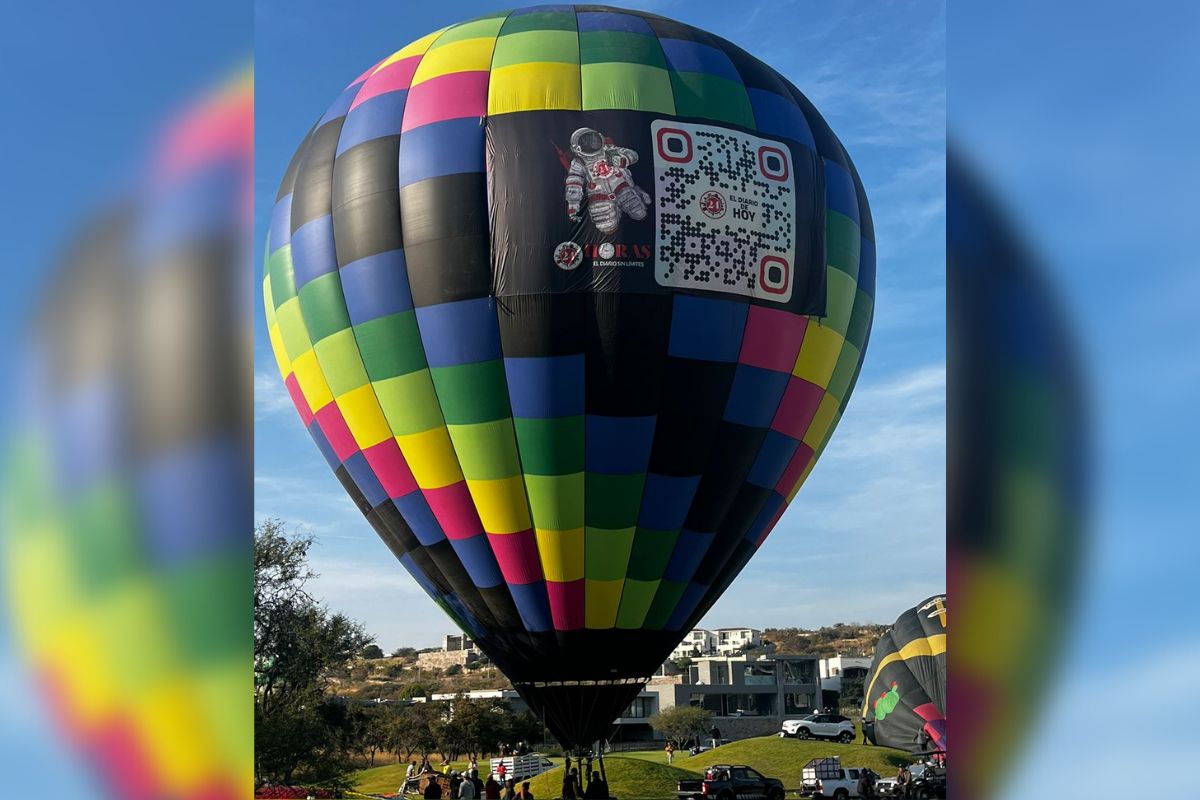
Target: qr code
{"x":724,"y":211}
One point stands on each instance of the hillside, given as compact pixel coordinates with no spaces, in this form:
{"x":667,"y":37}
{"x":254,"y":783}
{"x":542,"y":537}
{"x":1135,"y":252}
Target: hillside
{"x":628,"y":778}
{"x":848,"y":639}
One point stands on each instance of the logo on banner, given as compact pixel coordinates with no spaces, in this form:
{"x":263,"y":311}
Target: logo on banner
{"x":568,"y":256}
{"x":712,"y":204}
{"x":599,"y":182}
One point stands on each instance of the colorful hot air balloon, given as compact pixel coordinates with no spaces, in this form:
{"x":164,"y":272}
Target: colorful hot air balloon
{"x":571,"y":298}
{"x":904,"y":697}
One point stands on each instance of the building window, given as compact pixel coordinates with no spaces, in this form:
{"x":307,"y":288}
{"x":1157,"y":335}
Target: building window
{"x":759,"y":674}
{"x":750,"y":705}
{"x":710,"y":702}
{"x":720,"y":673}
{"x":798,"y":672}
{"x":797,"y":703}
{"x":640,"y":708}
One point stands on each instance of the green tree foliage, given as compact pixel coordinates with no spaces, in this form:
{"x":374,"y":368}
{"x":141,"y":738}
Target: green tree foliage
{"x":372,"y":651}
{"x":681,"y":723}
{"x":301,"y":732}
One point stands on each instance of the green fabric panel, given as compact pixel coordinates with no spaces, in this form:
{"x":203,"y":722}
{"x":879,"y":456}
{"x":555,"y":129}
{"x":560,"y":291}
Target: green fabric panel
{"x":409,"y":403}
{"x":475,"y":29}
{"x":613,"y":500}
{"x":340,"y":362}
{"x":534,"y":46}
{"x":843,"y":373}
{"x":292,"y":329}
{"x":283,"y":278}
{"x":840,"y":300}
{"x":698,"y":94}
{"x":635,"y":87}
{"x":552,"y":446}
{"x":555,"y":501}
{"x":106,"y":547}
{"x":539,"y":21}
{"x":843,"y":243}
{"x":324,"y":306}
{"x":636,"y":597}
{"x":391,"y":345}
{"x":472,"y":393}
{"x":622,"y":46}
{"x":860,"y":319}
{"x":201,"y":602}
{"x":665,"y":600}
{"x":850,"y":387}
{"x":486,"y":451}
{"x":651,"y":553}
{"x":606,"y":553}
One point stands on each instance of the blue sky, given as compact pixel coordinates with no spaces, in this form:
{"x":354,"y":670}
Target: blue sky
{"x":865,"y":537}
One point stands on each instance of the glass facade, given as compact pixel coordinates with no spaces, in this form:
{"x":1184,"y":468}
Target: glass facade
{"x":759,"y":674}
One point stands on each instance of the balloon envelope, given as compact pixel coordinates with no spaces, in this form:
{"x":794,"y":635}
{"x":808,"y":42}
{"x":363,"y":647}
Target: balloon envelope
{"x":905,"y":690}
{"x":571,"y":298}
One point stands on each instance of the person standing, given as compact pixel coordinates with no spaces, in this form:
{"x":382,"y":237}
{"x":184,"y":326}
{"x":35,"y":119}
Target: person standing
{"x":670,"y":748}
{"x":864,"y":726}
{"x":466,"y":789}
{"x":903,"y":781}
{"x":510,"y":790}
{"x":525,"y":794}
{"x":433,"y":789}
{"x":715,"y":734}
{"x":491,"y":789}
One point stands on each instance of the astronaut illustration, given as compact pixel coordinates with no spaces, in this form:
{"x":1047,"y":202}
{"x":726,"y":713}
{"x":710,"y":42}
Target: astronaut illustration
{"x":603,"y":169}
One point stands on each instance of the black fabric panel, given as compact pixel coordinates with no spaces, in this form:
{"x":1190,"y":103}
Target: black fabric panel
{"x":352,"y":489}
{"x":313,"y":192}
{"x":693,"y":400}
{"x":626,"y":343}
{"x":289,"y":176}
{"x":499,"y":599}
{"x":533,"y":325}
{"x":446,"y":243}
{"x":732,"y":456}
{"x":828,"y":145}
{"x":366,"y":200}
{"x":670,"y":29}
{"x":442,"y":554}
{"x":754,"y":73}
{"x":734,"y":564}
{"x":389,"y":515}
{"x":737,"y":517}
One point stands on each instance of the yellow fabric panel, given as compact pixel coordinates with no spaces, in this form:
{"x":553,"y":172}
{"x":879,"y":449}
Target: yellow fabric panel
{"x":268,"y":298}
{"x":292,"y":329}
{"x":431,"y":458}
{"x":312,"y":380}
{"x":43,"y":592}
{"x":501,"y":504}
{"x":601,"y":601}
{"x":818,"y":354}
{"x":168,"y":718}
{"x":363,"y":416}
{"x":469,"y":55}
{"x":537,"y":86}
{"x":414,"y":49}
{"x":562,"y":554}
{"x":281,"y":356}
{"x":92,"y":694}
{"x":822,"y":420}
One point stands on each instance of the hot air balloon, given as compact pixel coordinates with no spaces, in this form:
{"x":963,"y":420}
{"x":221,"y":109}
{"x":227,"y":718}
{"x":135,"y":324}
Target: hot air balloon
{"x":904,"y":696}
{"x":571,"y":298}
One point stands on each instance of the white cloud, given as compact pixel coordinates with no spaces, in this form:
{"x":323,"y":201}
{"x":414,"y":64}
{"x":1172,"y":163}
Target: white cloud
{"x":271,"y":397}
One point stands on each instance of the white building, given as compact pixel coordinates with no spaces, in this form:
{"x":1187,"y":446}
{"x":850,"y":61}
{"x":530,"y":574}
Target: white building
{"x":733,"y":640}
{"x":697,"y":643}
{"x":833,"y":669}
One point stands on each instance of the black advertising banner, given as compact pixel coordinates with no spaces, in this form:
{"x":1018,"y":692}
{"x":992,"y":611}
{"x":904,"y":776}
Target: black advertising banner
{"x":626,"y":201}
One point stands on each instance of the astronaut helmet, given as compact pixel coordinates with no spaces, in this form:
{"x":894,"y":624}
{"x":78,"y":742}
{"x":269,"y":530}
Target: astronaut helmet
{"x":587,"y":142}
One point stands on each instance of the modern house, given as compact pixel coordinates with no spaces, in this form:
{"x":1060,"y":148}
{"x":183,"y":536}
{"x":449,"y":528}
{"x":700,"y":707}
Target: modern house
{"x":722,"y":641}
{"x":748,"y":696}
{"x":837,"y":667}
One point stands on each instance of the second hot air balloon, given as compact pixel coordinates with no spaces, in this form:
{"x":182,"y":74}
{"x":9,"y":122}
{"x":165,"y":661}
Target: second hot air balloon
{"x":571,"y":298}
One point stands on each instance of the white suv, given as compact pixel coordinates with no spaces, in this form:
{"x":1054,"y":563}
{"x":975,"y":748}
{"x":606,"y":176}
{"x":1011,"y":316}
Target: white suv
{"x":819,"y":726}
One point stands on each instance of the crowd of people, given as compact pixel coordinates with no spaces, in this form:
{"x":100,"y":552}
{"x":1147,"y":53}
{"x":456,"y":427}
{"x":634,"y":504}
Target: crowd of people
{"x":465,"y":785}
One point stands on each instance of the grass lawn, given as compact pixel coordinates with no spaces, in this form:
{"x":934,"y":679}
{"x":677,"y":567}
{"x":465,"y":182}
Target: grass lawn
{"x":644,"y":775}
{"x":628,"y":779}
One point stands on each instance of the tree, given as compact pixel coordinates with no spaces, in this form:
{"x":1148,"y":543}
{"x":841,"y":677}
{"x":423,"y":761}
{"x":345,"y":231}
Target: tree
{"x":404,"y":652}
{"x":372,"y":651}
{"x":681,"y":723}
{"x":300,"y":731}
{"x":454,"y":669}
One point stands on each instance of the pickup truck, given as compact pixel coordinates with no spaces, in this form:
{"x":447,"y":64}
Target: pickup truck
{"x":731,"y":782}
{"x":826,"y":777}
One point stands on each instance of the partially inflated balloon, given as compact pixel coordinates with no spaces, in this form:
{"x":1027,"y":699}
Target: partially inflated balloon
{"x":571,"y":299}
{"x":904,"y":697}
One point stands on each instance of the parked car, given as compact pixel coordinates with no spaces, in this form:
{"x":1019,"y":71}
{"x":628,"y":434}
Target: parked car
{"x":819,"y":726}
{"x":730,"y":782}
{"x":826,"y":777}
